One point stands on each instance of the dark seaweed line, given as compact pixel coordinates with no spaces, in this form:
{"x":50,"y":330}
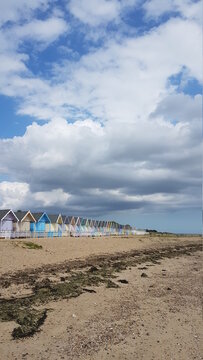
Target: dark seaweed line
{"x":29,"y":275}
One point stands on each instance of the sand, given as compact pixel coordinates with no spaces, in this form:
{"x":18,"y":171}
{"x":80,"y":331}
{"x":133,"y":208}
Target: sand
{"x":14,"y":257}
{"x":153,"y":317}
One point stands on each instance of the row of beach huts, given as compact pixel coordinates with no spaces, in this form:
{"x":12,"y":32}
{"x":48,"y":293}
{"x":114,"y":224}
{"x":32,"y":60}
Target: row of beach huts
{"x":27,"y":224}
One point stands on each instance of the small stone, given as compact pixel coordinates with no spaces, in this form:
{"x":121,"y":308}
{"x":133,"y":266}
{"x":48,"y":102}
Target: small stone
{"x":123,"y":281}
{"x":144,"y":275}
{"x":93,"y":269}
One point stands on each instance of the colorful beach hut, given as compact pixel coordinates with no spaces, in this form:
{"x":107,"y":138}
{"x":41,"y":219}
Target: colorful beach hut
{"x":24,"y":220}
{"x":71,"y":224}
{"x":42,"y":225}
{"x":84,"y":229}
{"x":65,"y":231}
{"x":78,"y":226}
{"x":8,"y":223}
{"x":68,"y":226}
{"x":56,"y":225}
{"x":91,"y":227}
{"x":96,"y":229}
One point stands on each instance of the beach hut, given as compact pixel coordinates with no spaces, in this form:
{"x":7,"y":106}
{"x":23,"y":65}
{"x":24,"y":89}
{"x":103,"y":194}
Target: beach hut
{"x":71,"y":224}
{"x":42,"y":225}
{"x":56,"y":224}
{"x":107,"y":227}
{"x":127,"y":229}
{"x":120,"y":229}
{"x":116,"y":228}
{"x":67,"y":226}
{"x":113,"y":228}
{"x":24,"y":220}
{"x":63,"y":225}
{"x":8,"y":223}
{"x":83,"y":224}
{"x":104,"y":227}
{"x":88,"y":228}
{"x":78,"y":226}
{"x":100,"y":229}
{"x":74,"y":222}
{"x":96,"y":227}
{"x":91,"y":227}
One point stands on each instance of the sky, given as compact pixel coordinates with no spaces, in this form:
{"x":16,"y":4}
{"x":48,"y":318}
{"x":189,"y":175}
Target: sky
{"x":100,"y":110}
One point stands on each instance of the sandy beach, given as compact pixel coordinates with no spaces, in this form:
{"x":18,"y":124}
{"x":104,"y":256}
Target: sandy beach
{"x":14,"y":257}
{"x":105,"y":298}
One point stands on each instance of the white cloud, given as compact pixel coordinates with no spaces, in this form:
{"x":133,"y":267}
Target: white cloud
{"x":95,"y":12}
{"x":120,"y":82}
{"x":13,"y":194}
{"x":41,"y":30}
{"x":15,"y":10}
{"x":56,"y":197}
{"x":187,"y":8}
{"x":100,"y":12}
{"x":17,"y":195}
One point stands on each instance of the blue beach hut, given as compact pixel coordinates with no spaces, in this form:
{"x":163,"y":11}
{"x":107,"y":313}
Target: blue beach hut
{"x":42,"y":225}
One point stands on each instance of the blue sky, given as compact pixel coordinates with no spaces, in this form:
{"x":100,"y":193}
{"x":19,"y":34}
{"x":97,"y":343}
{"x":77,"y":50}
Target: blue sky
{"x":101,"y":109}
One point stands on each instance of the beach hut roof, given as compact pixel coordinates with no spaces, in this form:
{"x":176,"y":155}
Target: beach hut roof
{"x":63,"y":218}
{"x":38,"y":215}
{"x":5,"y":212}
{"x":54,"y":217}
{"x":22,"y":214}
{"x":68,"y":219}
{"x":78,"y":221}
{"x":83,"y":221}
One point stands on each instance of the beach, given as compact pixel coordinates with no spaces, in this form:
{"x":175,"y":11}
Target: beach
{"x":135,"y":297}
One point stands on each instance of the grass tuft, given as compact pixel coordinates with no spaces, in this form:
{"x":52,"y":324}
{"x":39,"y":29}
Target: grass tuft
{"x":31,"y":245}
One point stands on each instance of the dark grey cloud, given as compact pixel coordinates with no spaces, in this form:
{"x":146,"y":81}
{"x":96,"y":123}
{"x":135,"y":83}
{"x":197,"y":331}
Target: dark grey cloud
{"x":83,"y":161}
